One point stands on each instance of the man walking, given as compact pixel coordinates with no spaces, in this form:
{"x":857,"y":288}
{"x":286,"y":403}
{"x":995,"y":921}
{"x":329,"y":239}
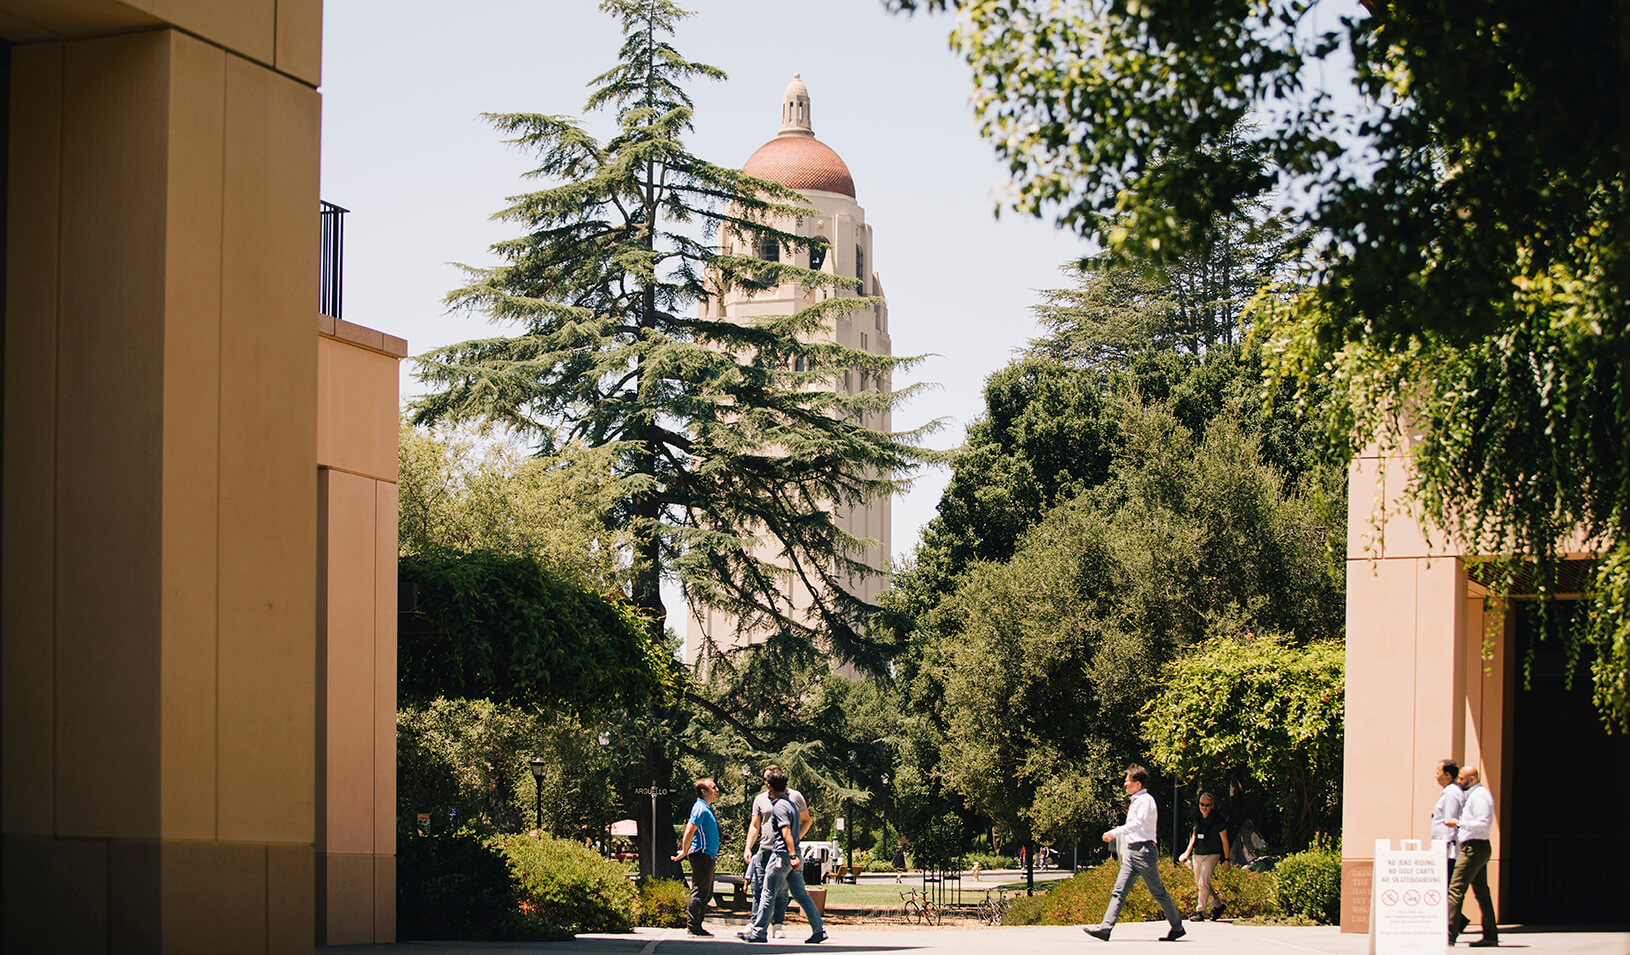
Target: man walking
{"x":1448,"y":807}
{"x":784,"y":867}
{"x":756,"y":855}
{"x":1475,"y":820}
{"x":1139,"y":857}
{"x":701,"y":843}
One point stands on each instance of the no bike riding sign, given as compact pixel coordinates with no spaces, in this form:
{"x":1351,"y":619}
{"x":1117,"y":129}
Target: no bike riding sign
{"x":1408,"y":903}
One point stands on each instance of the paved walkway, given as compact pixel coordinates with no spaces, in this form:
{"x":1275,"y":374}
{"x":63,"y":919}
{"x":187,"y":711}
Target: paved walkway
{"x":1214,"y":938}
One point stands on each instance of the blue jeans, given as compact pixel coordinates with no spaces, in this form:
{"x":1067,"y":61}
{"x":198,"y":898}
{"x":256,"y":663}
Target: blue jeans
{"x":755,"y":884}
{"x":779,"y":875}
{"x":1140,"y":859}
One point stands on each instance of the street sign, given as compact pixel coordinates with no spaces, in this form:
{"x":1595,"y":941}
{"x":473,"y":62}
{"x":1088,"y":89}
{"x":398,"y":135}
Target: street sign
{"x":1409,"y":911}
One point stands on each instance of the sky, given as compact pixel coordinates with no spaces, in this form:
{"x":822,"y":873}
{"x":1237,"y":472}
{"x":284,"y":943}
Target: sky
{"x":405,"y":150}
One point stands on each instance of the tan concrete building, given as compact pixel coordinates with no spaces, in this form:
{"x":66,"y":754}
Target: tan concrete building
{"x":796,"y":159}
{"x":1434,"y":672}
{"x":198,"y":634}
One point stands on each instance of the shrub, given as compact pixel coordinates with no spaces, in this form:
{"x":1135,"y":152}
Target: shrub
{"x":1309,"y":885}
{"x":451,"y":885}
{"x":990,"y":860}
{"x":662,"y":903}
{"x":1082,"y":899}
{"x":568,"y":884}
{"x":879,"y":865}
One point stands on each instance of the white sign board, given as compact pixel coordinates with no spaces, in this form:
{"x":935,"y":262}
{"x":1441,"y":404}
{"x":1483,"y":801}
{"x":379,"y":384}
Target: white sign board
{"x":1409,"y":903}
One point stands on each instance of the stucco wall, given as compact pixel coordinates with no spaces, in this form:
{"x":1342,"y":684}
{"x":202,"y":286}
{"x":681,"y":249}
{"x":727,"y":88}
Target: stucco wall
{"x":357,"y":436}
{"x":1419,"y":688}
{"x":159,"y":591}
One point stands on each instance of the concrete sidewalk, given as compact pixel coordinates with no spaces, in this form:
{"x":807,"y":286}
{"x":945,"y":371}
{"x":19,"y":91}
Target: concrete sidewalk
{"x":1214,"y":938}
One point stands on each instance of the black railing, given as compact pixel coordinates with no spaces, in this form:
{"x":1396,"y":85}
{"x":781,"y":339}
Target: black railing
{"x":331,"y":281}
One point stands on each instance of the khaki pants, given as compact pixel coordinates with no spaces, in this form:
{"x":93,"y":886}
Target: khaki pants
{"x":1203,"y":866}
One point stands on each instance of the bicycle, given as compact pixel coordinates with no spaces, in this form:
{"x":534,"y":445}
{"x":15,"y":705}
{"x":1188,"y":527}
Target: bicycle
{"x":919,"y":909}
{"x":991,"y":910}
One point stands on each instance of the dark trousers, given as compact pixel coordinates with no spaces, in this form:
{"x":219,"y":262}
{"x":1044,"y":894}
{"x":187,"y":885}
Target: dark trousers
{"x":701,"y":889}
{"x":1472,"y":868}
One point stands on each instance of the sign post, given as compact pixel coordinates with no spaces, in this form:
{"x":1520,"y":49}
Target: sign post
{"x":1408,"y":902}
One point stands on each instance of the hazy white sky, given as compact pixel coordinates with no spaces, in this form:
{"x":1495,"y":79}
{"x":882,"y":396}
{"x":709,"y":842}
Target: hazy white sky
{"x":403,"y":148}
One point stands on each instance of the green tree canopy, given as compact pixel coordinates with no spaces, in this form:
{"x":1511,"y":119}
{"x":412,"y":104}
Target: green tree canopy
{"x":1463,"y":188}
{"x":464,"y":492}
{"x":505,"y":628}
{"x":1041,"y":663}
{"x":1257,"y":712}
{"x":733,"y":440}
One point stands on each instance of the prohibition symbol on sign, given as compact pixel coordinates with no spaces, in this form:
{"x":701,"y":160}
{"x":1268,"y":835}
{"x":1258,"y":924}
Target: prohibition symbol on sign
{"x":1432,"y":897}
{"x":1412,"y":897}
{"x":1389,"y":897}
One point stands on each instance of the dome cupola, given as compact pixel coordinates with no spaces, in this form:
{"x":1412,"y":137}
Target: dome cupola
{"x":795,"y":158}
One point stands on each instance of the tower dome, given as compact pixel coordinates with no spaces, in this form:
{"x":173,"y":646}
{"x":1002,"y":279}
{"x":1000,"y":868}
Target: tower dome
{"x":795,"y":158}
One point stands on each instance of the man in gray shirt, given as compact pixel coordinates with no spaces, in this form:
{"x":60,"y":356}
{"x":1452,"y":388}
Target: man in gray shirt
{"x":784,"y":868}
{"x":756,"y":855}
{"x":1475,"y":820}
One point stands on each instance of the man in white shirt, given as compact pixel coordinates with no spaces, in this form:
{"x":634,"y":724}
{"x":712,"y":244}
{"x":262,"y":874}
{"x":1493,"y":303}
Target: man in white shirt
{"x":1447,"y":807}
{"x":1473,"y":823}
{"x":1139,"y":857}
{"x":755,"y":848}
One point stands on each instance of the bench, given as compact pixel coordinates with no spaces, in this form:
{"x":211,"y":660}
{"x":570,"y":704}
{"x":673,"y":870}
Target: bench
{"x":738,"y":893}
{"x":847,"y":873}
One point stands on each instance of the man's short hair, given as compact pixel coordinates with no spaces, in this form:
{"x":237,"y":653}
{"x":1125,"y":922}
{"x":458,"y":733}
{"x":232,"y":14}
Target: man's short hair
{"x":703,"y":785}
{"x":1139,"y":775}
{"x":777,"y":779}
{"x":1471,"y":771}
{"x":1449,"y":766}
{"x":772,"y":768}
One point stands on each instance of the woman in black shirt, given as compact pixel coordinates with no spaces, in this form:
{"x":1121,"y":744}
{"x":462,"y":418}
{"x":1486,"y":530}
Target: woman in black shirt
{"x":1208,"y":845}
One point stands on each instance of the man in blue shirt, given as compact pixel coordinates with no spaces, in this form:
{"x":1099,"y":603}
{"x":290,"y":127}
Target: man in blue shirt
{"x":701,"y":843}
{"x":785,"y":867}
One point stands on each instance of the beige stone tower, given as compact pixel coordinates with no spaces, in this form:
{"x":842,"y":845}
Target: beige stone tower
{"x":795,"y":158}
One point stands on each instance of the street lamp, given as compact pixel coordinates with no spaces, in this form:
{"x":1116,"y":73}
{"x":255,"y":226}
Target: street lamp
{"x":539,"y":766}
{"x":747,"y":780}
{"x":848,"y":832}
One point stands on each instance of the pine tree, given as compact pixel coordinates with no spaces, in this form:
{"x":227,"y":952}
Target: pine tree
{"x":734,"y":442}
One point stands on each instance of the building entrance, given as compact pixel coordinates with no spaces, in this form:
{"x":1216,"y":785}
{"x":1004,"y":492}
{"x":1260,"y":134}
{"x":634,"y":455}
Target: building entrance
{"x":1566,"y":826}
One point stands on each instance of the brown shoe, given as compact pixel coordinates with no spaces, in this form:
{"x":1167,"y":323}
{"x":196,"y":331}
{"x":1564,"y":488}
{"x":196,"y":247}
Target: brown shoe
{"x":1486,"y":942}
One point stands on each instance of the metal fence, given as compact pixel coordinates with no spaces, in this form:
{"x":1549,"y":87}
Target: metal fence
{"x":331,"y":281}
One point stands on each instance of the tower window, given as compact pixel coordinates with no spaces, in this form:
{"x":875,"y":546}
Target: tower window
{"x":860,"y":269}
{"x":770,"y":250}
{"x":863,"y":341}
{"x":817,"y":257}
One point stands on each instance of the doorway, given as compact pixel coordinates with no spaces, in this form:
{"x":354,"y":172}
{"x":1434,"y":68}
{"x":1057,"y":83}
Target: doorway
{"x":1566,"y":824}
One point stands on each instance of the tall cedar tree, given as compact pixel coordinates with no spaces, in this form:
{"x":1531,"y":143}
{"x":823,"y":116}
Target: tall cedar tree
{"x":729,"y":456}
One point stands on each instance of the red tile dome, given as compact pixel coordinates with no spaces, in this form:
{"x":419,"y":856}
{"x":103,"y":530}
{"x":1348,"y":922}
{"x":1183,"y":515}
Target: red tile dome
{"x":801,"y":162}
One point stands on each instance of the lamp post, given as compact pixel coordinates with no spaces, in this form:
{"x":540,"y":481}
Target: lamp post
{"x":848,"y":830}
{"x":538,"y":768}
{"x":747,"y":779}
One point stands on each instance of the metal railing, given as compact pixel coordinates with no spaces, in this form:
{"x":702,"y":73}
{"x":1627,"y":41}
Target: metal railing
{"x":331,"y":280}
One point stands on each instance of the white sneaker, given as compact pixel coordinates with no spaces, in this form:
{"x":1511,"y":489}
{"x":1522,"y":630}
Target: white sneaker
{"x":777,"y":931}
